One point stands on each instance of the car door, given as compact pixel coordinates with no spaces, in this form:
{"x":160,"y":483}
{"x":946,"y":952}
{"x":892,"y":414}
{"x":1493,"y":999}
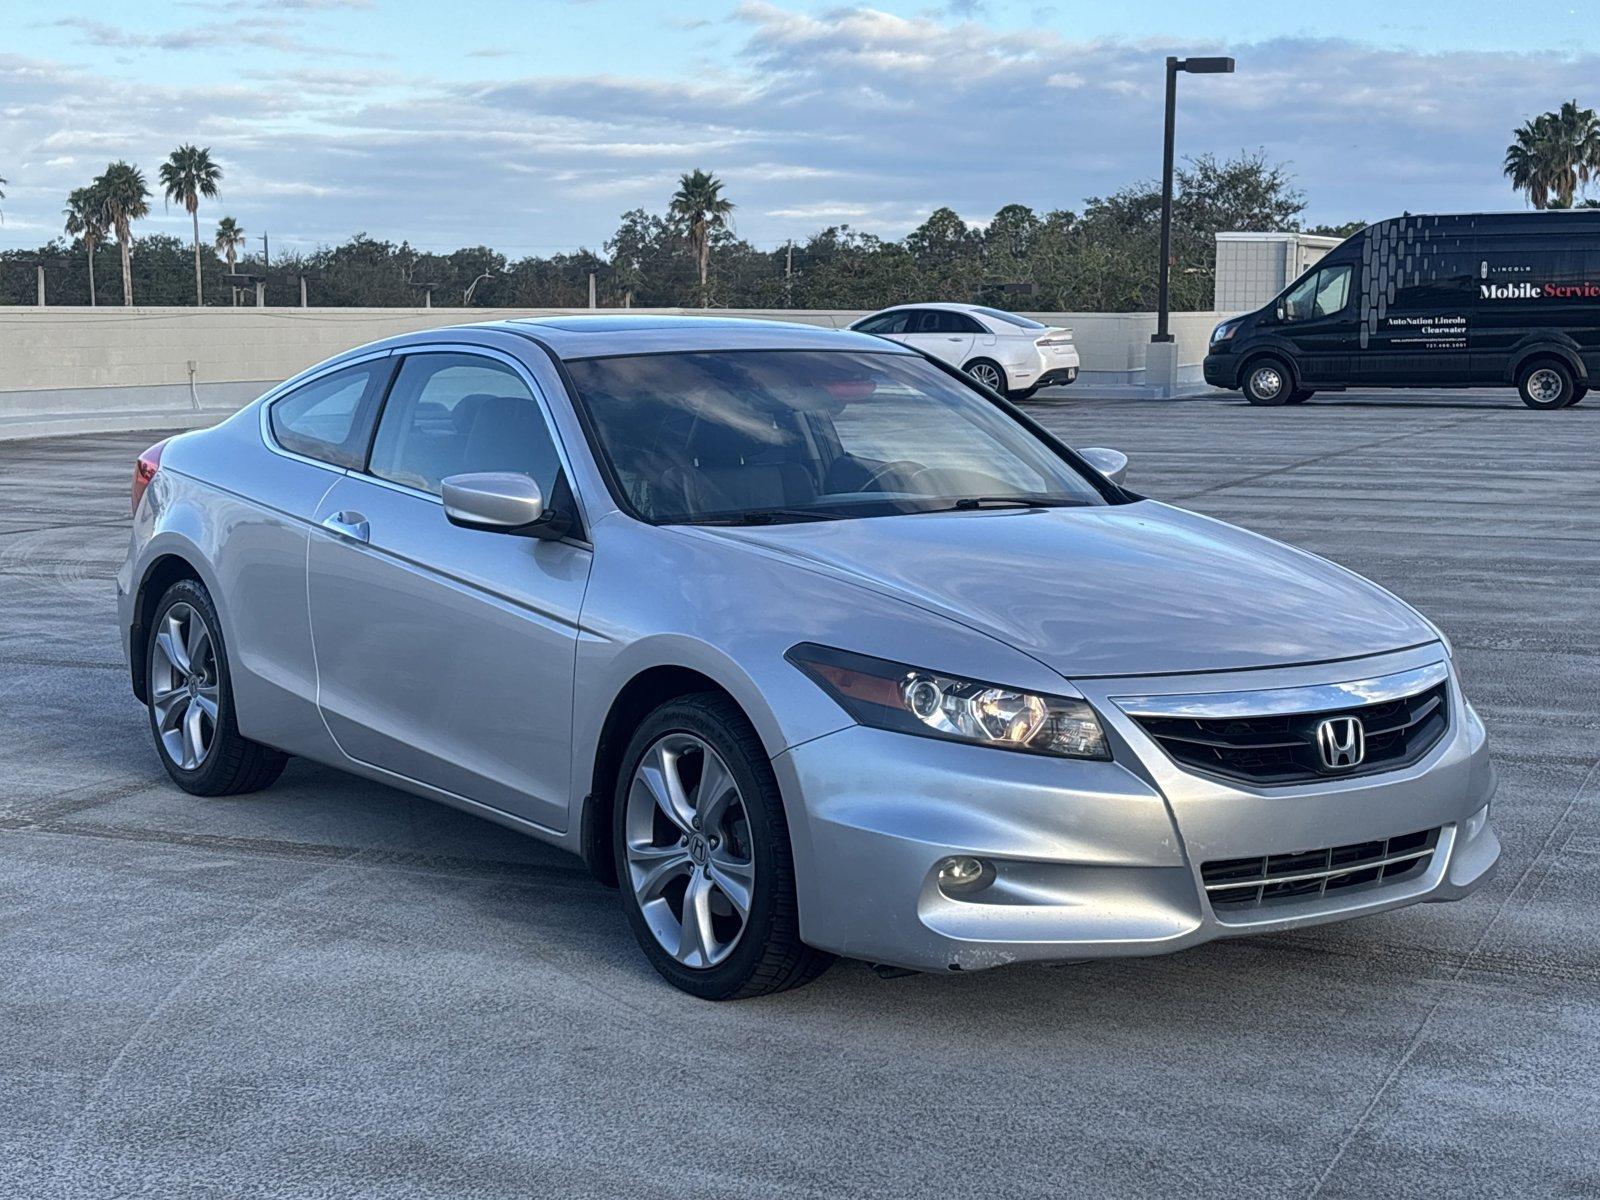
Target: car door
{"x":1318,"y":318}
{"x":941,"y":333}
{"x":444,"y":654}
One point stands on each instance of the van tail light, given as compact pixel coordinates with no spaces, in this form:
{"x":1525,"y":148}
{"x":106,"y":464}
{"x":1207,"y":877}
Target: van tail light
{"x":145,"y":470}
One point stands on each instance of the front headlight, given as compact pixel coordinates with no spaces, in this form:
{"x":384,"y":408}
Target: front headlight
{"x":1223,"y":332}
{"x":891,"y":695}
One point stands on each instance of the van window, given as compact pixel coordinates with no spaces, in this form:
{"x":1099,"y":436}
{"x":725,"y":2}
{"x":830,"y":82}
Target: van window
{"x":1323,"y":294}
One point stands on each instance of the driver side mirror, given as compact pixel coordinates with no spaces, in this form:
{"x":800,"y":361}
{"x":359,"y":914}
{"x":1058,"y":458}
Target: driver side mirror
{"x":1113,"y":464}
{"x":1281,"y":312}
{"x":501,"y":502}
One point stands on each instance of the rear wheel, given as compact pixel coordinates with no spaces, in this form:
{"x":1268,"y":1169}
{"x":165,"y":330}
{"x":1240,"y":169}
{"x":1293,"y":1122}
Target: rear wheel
{"x":1267,"y":381}
{"x":1578,"y":393}
{"x":1547,"y":383}
{"x":1299,"y":396}
{"x":987,"y":373}
{"x":191,"y":701}
{"x":703,"y":855}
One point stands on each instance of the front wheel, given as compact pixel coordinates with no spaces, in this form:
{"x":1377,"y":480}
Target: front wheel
{"x":1268,"y":382}
{"x":1547,"y":384}
{"x":987,"y":373}
{"x":1299,"y":396}
{"x":1578,"y":393}
{"x":191,"y":701}
{"x":703,"y":855}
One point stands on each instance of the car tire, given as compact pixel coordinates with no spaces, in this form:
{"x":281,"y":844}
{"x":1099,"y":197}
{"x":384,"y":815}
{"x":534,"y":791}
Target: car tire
{"x":683,"y":859}
{"x":1578,"y":393}
{"x":1547,"y":384}
{"x":190,"y":701}
{"x":1024,"y":394}
{"x":1299,"y":396}
{"x":987,"y":372}
{"x":1267,"y":381}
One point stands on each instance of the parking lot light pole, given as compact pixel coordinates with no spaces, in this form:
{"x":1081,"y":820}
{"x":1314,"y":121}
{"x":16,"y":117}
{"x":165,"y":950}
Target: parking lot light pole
{"x":1194,"y":66}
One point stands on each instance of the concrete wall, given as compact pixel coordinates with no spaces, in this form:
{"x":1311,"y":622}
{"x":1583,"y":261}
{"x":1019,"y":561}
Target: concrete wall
{"x":72,"y":370}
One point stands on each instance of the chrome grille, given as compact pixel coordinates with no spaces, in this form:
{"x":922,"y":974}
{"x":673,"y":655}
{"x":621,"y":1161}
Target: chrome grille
{"x":1235,"y":885}
{"x":1281,"y":748}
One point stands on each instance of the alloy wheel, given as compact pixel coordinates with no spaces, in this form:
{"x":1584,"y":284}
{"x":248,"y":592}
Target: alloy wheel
{"x":184,"y":688}
{"x":689,"y":853}
{"x":987,"y":374}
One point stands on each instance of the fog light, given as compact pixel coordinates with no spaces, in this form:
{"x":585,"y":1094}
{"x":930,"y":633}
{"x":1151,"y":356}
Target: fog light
{"x":1476,"y":822}
{"x":963,"y":874}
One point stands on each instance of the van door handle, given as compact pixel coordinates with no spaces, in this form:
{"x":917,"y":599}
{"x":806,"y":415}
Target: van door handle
{"x":348,"y":524}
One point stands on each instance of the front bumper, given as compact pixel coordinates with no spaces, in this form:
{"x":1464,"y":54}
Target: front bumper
{"x":1221,"y":370}
{"x":1097,"y":859}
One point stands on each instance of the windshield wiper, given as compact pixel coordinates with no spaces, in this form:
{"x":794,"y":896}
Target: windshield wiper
{"x":774,"y":516}
{"x":968,"y":503}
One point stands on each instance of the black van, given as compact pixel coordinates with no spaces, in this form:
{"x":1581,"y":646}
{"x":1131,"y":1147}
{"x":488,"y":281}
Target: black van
{"x":1479,"y":300}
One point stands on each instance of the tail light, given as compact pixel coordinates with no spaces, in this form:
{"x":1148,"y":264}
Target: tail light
{"x":1056,"y":337}
{"x":145,"y":470}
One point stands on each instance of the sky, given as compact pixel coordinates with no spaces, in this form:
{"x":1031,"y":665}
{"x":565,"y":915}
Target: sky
{"x":531,"y":127}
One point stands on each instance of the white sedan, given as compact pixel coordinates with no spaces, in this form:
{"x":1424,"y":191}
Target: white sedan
{"x":1010,"y":354}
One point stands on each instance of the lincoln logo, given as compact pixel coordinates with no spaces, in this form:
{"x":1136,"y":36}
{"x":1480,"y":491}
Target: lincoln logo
{"x":1342,"y":743}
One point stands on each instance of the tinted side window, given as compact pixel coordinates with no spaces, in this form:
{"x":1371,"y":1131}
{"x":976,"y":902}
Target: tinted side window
{"x":962,"y":323}
{"x":894,"y":322}
{"x":449,"y":414}
{"x":1333,"y":291}
{"x":938,"y":320}
{"x":329,"y":419}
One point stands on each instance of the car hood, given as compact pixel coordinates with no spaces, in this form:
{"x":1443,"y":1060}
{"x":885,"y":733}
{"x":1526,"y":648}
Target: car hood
{"x":1129,"y":589}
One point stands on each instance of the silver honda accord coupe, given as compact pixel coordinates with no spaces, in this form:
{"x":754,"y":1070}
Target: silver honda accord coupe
{"x":806,"y":642}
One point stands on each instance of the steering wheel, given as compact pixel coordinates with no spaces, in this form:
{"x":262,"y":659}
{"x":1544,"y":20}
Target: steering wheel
{"x":905,"y":467}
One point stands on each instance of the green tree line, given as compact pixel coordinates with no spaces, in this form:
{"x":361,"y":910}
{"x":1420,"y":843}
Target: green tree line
{"x":1100,"y":259}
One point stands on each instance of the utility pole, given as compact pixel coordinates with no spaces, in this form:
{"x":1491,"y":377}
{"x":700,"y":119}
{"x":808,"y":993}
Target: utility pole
{"x":266,"y":253}
{"x":41,"y":285}
{"x":302,"y":291}
{"x":591,"y":290}
{"x":788,"y":276}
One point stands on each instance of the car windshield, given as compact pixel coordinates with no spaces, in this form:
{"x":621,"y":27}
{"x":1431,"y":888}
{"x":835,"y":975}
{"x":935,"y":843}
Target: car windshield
{"x":764,"y":436}
{"x":1010,"y":318}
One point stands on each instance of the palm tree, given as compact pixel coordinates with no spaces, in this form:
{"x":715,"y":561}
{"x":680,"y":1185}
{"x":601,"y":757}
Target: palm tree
{"x":1553,"y":155}
{"x":698,"y":208}
{"x":187,"y":175}
{"x":230,"y":237}
{"x":1528,"y":159}
{"x":86,"y":221}
{"x":124,"y":199}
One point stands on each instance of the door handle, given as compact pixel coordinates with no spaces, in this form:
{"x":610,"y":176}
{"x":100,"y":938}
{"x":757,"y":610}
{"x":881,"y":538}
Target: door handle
{"x":952,"y":339}
{"x":348,"y":524}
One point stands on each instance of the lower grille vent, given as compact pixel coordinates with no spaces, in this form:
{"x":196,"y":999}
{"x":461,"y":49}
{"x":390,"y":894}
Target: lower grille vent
{"x":1237,"y":884}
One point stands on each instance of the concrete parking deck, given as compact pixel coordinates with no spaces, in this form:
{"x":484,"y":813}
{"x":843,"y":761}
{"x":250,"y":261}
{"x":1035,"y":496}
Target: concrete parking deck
{"x":331,"y":989}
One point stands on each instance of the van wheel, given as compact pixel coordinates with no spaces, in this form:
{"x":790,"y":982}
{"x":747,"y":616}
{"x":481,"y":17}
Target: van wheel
{"x":1299,"y":396}
{"x":1268,"y":381}
{"x":1546,"y":384}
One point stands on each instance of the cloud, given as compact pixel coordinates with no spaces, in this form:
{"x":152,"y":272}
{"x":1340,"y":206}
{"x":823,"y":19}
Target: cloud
{"x":817,"y":117}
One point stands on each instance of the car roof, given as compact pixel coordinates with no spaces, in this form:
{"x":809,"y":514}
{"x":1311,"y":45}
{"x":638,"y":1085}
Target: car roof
{"x":947,"y":305}
{"x":572,"y":336}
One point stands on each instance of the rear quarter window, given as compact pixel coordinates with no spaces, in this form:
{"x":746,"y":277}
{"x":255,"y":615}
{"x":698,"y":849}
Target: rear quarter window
{"x":329,"y":419}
